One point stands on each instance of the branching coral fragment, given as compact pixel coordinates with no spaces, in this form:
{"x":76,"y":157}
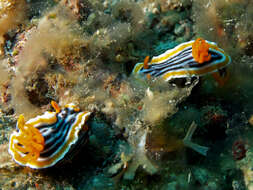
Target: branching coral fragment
{"x":187,"y":141}
{"x":135,"y":158}
{"x":140,"y":159}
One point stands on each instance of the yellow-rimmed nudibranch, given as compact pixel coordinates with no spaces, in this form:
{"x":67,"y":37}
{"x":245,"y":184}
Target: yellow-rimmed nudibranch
{"x":189,"y":59}
{"x":45,"y":140}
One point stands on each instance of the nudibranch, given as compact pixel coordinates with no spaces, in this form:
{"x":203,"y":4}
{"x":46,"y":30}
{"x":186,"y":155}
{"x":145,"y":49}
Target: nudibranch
{"x":189,"y":59}
{"x":45,"y":140}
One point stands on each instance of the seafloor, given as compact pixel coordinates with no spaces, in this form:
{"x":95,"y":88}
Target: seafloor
{"x":83,"y":51}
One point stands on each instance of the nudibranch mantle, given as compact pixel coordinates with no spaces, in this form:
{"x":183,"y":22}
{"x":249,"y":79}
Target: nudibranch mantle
{"x":56,"y":132}
{"x":193,"y":58}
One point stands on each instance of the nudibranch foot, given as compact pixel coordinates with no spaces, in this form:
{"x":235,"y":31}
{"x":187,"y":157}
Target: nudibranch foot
{"x":45,"y":140}
{"x":219,"y":78}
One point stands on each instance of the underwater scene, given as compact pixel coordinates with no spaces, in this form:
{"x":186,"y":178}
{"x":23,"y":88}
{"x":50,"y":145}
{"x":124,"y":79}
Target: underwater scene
{"x":126,"y":94}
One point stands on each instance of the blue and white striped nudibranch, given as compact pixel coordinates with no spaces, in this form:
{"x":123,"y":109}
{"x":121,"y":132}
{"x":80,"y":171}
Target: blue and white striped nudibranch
{"x":45,"y":140}
{"x":194,"y":58}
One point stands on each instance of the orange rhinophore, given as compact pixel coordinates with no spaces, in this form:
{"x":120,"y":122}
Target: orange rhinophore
{"x":31,"y":141}
{"x":55,"y":106}
{"x":146,"y":60}
{"x":200,"y":51}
